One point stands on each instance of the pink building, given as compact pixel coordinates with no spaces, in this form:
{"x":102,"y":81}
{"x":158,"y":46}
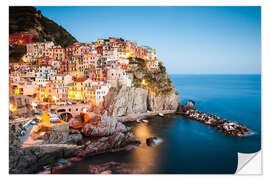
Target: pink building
{"x":58,"y":53}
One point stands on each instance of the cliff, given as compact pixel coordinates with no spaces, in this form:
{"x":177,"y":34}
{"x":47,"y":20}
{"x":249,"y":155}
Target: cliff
{"x":151,"y":90}
{"x":29,"y":19}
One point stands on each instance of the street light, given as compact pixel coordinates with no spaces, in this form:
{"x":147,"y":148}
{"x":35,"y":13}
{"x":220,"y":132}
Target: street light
{"x":144,"y":83}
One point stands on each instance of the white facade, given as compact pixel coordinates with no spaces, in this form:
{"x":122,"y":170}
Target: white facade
{"x":118,"y":75}
{"x":29,"y":88}
{"x":100,"y":93}
{"x":41,"y":82}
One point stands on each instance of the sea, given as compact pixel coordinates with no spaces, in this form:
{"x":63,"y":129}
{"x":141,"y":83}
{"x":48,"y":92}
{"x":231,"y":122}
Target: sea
{"x":190,"y":147}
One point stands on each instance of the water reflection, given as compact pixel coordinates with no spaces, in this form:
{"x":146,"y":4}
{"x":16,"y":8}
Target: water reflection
{"x":187,"y":147}
{"x":145,"y":157}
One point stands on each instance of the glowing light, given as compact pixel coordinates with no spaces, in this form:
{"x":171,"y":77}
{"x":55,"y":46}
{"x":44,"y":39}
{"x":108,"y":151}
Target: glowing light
{"x":128,"y":55}
{"x":144,"y":83}
{"x":34,"y":104}
{"x":12,"y":108}
{"x":54,"y":98}
{"x":24,"y":59}
{"x":17,"y":91}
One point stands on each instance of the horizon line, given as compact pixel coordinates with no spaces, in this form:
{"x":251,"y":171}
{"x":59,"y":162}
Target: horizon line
{"x":216,"y":74}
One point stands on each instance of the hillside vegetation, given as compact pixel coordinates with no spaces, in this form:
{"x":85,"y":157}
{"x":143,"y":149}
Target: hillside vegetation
{"x":26,"y":18}
{"x":157,"y":80}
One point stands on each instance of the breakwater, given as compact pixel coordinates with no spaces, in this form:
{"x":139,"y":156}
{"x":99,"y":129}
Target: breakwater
{"x":221,"y":124}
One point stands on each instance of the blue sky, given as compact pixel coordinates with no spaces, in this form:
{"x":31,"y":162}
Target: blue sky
{"x":189,"y":40}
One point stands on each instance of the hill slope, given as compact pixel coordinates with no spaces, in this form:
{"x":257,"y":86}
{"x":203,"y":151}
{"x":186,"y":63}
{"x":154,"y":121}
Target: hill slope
{"x":26,"y":18}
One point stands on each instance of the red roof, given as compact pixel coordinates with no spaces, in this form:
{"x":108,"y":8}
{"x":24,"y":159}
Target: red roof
{"x":80,"y":79}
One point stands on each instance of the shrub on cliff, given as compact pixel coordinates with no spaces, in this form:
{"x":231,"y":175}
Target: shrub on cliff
{"x":161,"y":67}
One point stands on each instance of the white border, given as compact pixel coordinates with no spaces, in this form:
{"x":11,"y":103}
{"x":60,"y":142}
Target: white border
{"x":139,"y":2}
{"x":4,"y":71}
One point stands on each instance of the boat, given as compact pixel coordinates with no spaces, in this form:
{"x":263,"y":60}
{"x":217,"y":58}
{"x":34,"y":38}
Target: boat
{"x":161,"y":115}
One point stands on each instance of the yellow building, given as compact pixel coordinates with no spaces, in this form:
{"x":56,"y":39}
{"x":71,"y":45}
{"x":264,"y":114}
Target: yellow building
{"x":75,"y":89}
{"x":81,"y":89}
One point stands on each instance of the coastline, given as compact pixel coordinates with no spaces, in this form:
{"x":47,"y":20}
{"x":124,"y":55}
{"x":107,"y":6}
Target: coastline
{"x":104,"y":144}
{"x":136,"y":116}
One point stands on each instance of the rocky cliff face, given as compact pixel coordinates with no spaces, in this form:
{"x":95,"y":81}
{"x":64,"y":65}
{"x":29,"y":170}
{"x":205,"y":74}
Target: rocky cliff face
{"x":151,"y":90}
{"x":126,"y":100}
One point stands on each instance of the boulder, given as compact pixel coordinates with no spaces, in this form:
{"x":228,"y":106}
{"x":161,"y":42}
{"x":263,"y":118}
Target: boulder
{"x":91,"y":117}
{"x":75,"y":123}
{"x":189,"y":106}
{"x":152,"y":141}
{"x":105,"y":127}
{"x":116,"y":142}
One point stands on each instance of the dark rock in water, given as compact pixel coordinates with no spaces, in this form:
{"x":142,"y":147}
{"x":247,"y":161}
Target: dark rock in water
{"x":189,"y":106}
{"x":152,"y":141}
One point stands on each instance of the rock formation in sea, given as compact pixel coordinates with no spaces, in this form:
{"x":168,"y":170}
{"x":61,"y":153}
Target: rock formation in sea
{"x":110,"y":135}
{"x":151,"y":90}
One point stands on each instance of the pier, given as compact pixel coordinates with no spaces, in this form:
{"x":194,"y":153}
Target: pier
{"x":223,"y":125}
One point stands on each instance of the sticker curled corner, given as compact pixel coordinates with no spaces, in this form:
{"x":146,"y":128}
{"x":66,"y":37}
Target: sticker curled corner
{"x":249,"y":164}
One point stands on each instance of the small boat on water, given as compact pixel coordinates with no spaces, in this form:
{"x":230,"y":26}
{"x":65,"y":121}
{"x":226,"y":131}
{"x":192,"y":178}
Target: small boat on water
{"x":161,"y":115}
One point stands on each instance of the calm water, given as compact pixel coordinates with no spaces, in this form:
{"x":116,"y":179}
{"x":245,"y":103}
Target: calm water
{"x":189,"y":146}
